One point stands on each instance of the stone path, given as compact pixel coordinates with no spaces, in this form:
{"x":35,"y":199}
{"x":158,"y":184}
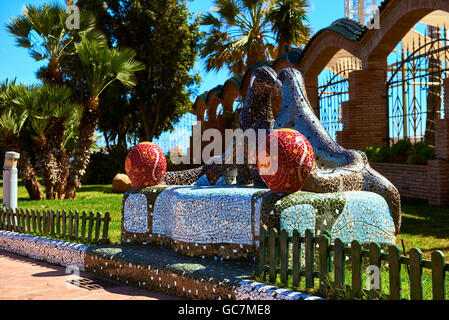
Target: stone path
{"x":27,"y":279}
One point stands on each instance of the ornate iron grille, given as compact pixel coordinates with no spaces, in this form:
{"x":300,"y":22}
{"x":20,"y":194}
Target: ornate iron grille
{"x":415,"y":87}
{"x":332,"y":92}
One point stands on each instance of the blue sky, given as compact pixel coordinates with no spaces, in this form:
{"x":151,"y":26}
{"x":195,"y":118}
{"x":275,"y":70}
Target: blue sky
{"x":16,"y":63}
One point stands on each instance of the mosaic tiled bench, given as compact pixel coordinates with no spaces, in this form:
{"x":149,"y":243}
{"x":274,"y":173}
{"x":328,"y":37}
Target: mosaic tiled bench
{"x":222,"y":222}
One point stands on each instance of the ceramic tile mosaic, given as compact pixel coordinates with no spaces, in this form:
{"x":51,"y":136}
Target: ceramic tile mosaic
{"x":365,"y":217}
{"x":206,"y":214}
{"x":353,"y":215}
{"x":300,"y":217}
{"x":252,"y":290}
{"x":50,"y":250}
{"x":336,"y":169}
{"x":202,"y":181}
{"x":135,"y":214}
{"x":156,"y":268}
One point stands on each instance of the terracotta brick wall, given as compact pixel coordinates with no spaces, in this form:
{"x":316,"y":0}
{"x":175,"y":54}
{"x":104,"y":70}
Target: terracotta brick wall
{"x":364,"y":115}
{"x":430,"y":182}
{"x":410,"y":180}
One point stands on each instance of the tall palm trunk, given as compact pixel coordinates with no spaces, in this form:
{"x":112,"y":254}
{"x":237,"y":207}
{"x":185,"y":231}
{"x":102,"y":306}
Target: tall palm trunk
{"x":63,"y":160}
{"x":86,"y":138}
{"x":256,"y":54}
{"x":29,"y":175}
{"x":283,"y":47}
{"x":44,"y":163}
{"x":50,"y":156}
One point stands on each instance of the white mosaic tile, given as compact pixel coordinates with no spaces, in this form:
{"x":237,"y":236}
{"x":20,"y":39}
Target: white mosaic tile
{"x":50,"y":250}
{"x":206,"y":214}
{"x":135,"y":214}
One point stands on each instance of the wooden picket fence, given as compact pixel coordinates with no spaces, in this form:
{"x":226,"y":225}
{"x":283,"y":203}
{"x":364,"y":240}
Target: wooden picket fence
{"x":83,"y":227}
{"x":279,"y":254}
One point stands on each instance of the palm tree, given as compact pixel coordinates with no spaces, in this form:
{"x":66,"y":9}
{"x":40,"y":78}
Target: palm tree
{"x":238,"y":36}
{"x":288,"y":18}
{"x":43,"y":31}
{"x":51,"y":111}
{"x":101,"y":67}
{"x":12,"y":126}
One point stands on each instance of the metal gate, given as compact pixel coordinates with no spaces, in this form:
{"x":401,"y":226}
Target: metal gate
{"x":414,"y":87}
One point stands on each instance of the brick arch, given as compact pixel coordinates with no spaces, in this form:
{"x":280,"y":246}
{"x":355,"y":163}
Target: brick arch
{"x":199,"y":109}
{"x":230,"y":94}
{"x":212,"y":103}
{"x":397,"y":18}
{"x":321,"y":51}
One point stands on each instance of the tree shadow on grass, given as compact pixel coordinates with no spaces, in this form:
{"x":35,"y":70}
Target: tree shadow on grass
{"x":421,"y":219}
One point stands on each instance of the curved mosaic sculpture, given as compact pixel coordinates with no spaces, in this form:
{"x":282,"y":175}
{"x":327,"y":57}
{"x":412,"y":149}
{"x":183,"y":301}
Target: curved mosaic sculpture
{"x":256,"y":114}
{"x":223,"y":222}
{"x":336,"y":169}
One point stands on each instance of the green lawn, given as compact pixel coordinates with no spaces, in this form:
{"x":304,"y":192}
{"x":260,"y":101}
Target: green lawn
{"x":89,"y":198}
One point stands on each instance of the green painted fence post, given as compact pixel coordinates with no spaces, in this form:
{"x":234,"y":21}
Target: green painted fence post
{"x":374,"y":255}
{"x":52,"y":222}
{"x":106,"y":220}
{"x":324,"y":257}
{"x":283,"y":245}
{"x":273,"y":255}
{"x":58,"y":222}
{"x":1,"y":219}
{"x":22,"y":222}
{"x":45,"y":222}
{"x":90,"y":226}
{"x":296,"y":247}
{"x":339,"y":266}
{"x":416,"y":290}
{"x":438,"y":276}
{"x":261,"y":254}
{"x":394,"y":263}
{"x":83,"y":225}
{"x":76,"y":225}
{"x":28,"y":218}
{"x":64,"y":223}
{"x":70,"y":235}
{"x":97,"y":226}
{"x":356,"y":253}
{"x":39,"y":218}
{"x":310,"y":258}
{"x":33,"y":217}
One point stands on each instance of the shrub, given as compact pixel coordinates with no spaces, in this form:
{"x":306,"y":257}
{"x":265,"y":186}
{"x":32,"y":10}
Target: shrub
{"x":104,"y":165}
{"x":421,"y":152}
{"x":401,"y":150}
{"x":383,"y":154}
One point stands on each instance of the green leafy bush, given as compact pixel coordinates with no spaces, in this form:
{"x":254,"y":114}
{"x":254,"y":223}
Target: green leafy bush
{"x":421,"y":152}
{"x":402,"y":152}
{"x":104,"y":165}
{"x":383,"y":154}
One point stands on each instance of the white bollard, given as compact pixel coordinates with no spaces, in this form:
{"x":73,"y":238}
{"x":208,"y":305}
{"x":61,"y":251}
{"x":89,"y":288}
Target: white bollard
{"x":10,"y":180}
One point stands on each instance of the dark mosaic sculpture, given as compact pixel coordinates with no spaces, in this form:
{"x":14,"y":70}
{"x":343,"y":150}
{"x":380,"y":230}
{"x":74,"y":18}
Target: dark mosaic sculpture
{"x":336,"y":169}
{"x":256,"y":114}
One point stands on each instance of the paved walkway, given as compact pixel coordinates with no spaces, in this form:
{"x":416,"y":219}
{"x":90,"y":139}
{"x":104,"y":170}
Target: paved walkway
{"x":27,"y":279}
